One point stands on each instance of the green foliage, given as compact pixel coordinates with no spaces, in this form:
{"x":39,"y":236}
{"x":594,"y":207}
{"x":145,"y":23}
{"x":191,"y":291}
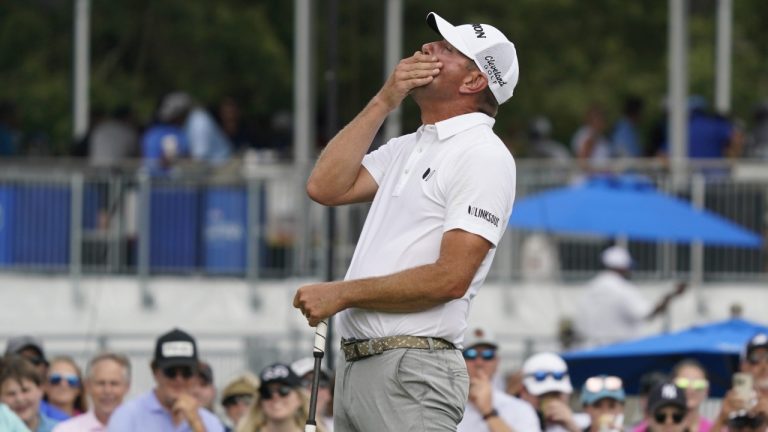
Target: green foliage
{"x":572,"y":53}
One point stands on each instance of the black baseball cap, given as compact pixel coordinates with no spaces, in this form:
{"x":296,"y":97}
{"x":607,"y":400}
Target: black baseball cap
{"x":176,"y":348}
{"x":18,"y":344}
{"x":666,"y":394}
{"x":279,"y":373}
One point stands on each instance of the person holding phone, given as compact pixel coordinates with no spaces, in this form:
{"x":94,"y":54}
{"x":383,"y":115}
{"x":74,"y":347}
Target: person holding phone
{"x":745,"y":406}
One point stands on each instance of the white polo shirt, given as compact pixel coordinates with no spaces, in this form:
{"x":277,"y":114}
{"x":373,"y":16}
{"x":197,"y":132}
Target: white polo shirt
{"x":455,"y":174}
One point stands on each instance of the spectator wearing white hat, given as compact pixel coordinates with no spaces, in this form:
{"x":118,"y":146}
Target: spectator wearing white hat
{"x":489,"y":408}
{"x":612,"y":308}
{"x":547,"y":387}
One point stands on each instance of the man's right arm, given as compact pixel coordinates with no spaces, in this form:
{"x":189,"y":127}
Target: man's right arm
{"x":338,"y":176}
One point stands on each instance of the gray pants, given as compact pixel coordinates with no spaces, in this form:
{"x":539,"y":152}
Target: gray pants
{"x":401,"y":390}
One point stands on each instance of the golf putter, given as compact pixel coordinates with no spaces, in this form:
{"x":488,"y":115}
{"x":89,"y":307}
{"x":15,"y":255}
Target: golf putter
{"x":317,"y":352}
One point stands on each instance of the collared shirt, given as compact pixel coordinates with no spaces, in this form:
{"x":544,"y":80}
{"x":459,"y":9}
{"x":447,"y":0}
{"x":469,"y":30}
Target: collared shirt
{"x":46,"y":424}
{"x":9,"y":422}
{"x":611,"y":310}
{"x":455,"y":174}
{"x":517,"y":414}
{"x":83,"y":423}
{"x":146,"y":414}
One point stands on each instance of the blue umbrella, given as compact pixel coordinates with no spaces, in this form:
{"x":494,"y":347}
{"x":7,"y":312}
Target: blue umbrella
{"x":717,"y":346}
{"x":626,"y":207}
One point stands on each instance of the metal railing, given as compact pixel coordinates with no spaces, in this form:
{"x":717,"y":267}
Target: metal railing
{"x":255,"y":221}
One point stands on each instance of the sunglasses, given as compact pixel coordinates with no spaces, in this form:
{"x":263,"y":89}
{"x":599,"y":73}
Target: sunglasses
{"x":474,"y":353}
{"x":662,"y":417}
{"x":746,"y":422}
{"x":267,"y":393}
{"x":174,"y":371}
{"x":599,"y":383}
{"x":237,"y":400}
{"x":756,"y":357}
{"x":37,"y":361}
{"x":693,"y":384}
{"x":71,"y":380}
{"x":542,"y":375}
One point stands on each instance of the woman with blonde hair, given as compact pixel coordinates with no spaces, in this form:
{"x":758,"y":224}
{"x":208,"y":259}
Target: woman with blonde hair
{"x":281,"y":404}
{"x":63,"y":386}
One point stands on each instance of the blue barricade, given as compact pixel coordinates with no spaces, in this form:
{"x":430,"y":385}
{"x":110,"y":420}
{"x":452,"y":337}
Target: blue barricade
{"x":225,"y":230}
{"x":174,"y":221}
{"x":6,"y":225}
{"x":40,"y":225}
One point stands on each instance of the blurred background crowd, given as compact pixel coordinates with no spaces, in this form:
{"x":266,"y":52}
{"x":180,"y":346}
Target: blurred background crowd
{"x":44,"y":394}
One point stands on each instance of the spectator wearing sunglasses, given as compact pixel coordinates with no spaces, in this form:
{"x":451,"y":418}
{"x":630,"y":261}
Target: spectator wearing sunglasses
{"x":667,"y":408}
{"x":63,"y":386}
{"x":305,"y":369}
{"x":237,"y":397}
{"x":282,"y":404}
{"x":547,"y":387}
{"x":489,"y":408}
{"x":603,"y":399}
{"x":31,"y":349}
{"x":20,"y":390}
{"x":691,"y":376}
{"x":107,"y":380}
{"x":170,"y":406}
{"x":749,"y":414}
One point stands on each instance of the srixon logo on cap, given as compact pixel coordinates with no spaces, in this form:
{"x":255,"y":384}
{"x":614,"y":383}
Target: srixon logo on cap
{"x":479,"y":32}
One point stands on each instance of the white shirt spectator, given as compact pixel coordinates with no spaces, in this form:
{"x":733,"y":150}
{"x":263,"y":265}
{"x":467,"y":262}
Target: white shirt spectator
{"x":601,"y":152}
{"x":611,"y":310}
{"x":517,"y":414}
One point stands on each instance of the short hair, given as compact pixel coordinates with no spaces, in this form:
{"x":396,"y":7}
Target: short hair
{"x":120,"y":359}
{"x":16,"y":367}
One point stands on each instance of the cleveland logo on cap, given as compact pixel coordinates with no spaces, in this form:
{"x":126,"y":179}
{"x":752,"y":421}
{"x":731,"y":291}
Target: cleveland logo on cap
{"x":492,"y":70}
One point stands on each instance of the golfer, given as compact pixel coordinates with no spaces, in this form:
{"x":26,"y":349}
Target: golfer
{"x":441,"y":200}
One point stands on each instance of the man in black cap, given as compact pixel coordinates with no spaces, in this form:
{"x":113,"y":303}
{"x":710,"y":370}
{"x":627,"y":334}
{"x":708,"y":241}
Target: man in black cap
{"x":170,"y":406}
{"x":748,"y":412}
{"x":667,"y":408}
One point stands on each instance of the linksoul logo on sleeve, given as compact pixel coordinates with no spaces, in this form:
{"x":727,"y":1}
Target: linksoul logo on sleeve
{"x":484,"y":215}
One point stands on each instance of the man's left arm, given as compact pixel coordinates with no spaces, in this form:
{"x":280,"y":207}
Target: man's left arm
{"x":412,"y":290}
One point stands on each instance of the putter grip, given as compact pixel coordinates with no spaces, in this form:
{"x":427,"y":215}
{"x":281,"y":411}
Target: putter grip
{"x":320,"y":332}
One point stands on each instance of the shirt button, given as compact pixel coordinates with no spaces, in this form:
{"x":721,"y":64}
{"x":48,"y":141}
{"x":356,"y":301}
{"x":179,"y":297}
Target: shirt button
{"x":419,"y":149}
{"x":407,"y":170}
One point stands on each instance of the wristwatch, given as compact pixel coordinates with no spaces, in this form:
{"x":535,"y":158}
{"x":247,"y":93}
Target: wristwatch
{"x":492,"y":413}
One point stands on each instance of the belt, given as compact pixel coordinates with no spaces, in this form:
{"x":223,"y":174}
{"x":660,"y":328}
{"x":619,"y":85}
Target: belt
{"x":356,"y":349}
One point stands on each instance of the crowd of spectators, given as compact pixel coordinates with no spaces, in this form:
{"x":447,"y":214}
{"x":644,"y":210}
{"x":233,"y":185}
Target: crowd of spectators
{"x":597,"y":141}
{"x":42,"y":395}
{"x":180,"y":128}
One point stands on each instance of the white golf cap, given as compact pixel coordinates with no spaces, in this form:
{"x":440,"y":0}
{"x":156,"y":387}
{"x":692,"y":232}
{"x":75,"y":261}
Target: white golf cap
{"x":544,"y":373}
{"x":491,"y":51}
{"x":480,"y":336}
{"x":616,"y":257}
